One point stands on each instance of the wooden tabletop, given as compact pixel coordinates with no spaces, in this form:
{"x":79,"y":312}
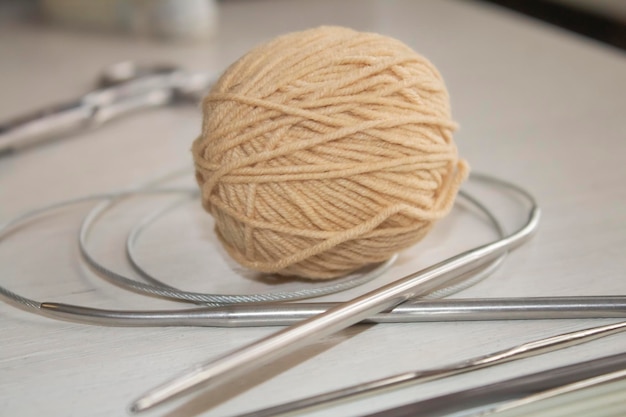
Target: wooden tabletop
{"x":536,"y":105}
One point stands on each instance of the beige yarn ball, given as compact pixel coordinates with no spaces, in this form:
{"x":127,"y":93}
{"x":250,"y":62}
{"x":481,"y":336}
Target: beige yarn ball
{"x":326,"y":150}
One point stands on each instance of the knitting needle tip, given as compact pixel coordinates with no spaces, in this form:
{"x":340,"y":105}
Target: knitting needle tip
{"x":183,"y":384}
{"x":147,"y":401}
{"x":137,"y":407}
{"x":144,"y":403}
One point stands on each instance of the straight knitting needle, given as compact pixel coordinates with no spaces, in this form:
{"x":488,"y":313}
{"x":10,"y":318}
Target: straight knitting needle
{"x":534,"y":348}
{"x":417,"y":284}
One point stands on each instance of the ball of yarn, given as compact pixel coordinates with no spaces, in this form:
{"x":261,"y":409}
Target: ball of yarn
{"x":326,"y":150}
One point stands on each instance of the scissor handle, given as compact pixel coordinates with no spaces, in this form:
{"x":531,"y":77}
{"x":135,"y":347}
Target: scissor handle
{"x":125,"y":71}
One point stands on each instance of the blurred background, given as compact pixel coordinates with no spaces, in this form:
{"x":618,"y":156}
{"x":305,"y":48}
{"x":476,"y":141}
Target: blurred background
{"x":164,"y":19}
{"x":193,"y":20}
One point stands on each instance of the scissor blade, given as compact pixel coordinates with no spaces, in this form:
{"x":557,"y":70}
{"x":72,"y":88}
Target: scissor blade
{"x":48,"y":123}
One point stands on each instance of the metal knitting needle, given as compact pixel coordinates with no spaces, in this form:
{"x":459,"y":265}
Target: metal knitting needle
{"x":274,"y":346}
{"x":285,"y":314}
{"x":510,"y":389}
{"x":526,"y":350}
{"x":607,"y":378}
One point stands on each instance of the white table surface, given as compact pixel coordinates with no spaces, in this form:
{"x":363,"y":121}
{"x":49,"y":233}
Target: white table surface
{"x":536,"y":105}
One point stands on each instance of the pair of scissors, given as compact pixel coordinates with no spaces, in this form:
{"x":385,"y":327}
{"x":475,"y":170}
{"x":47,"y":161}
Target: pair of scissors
{"x":121,"y":89}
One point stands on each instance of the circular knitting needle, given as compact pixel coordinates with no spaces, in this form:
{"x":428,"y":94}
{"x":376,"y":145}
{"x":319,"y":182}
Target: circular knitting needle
{"x":279,"y":344}
{"x":285,"y":314}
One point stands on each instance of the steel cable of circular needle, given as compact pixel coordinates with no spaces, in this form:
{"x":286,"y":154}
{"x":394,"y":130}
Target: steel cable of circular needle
{"x":160,"y":291}
{"x":157,"y":288}
{"x":142,"y":226}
